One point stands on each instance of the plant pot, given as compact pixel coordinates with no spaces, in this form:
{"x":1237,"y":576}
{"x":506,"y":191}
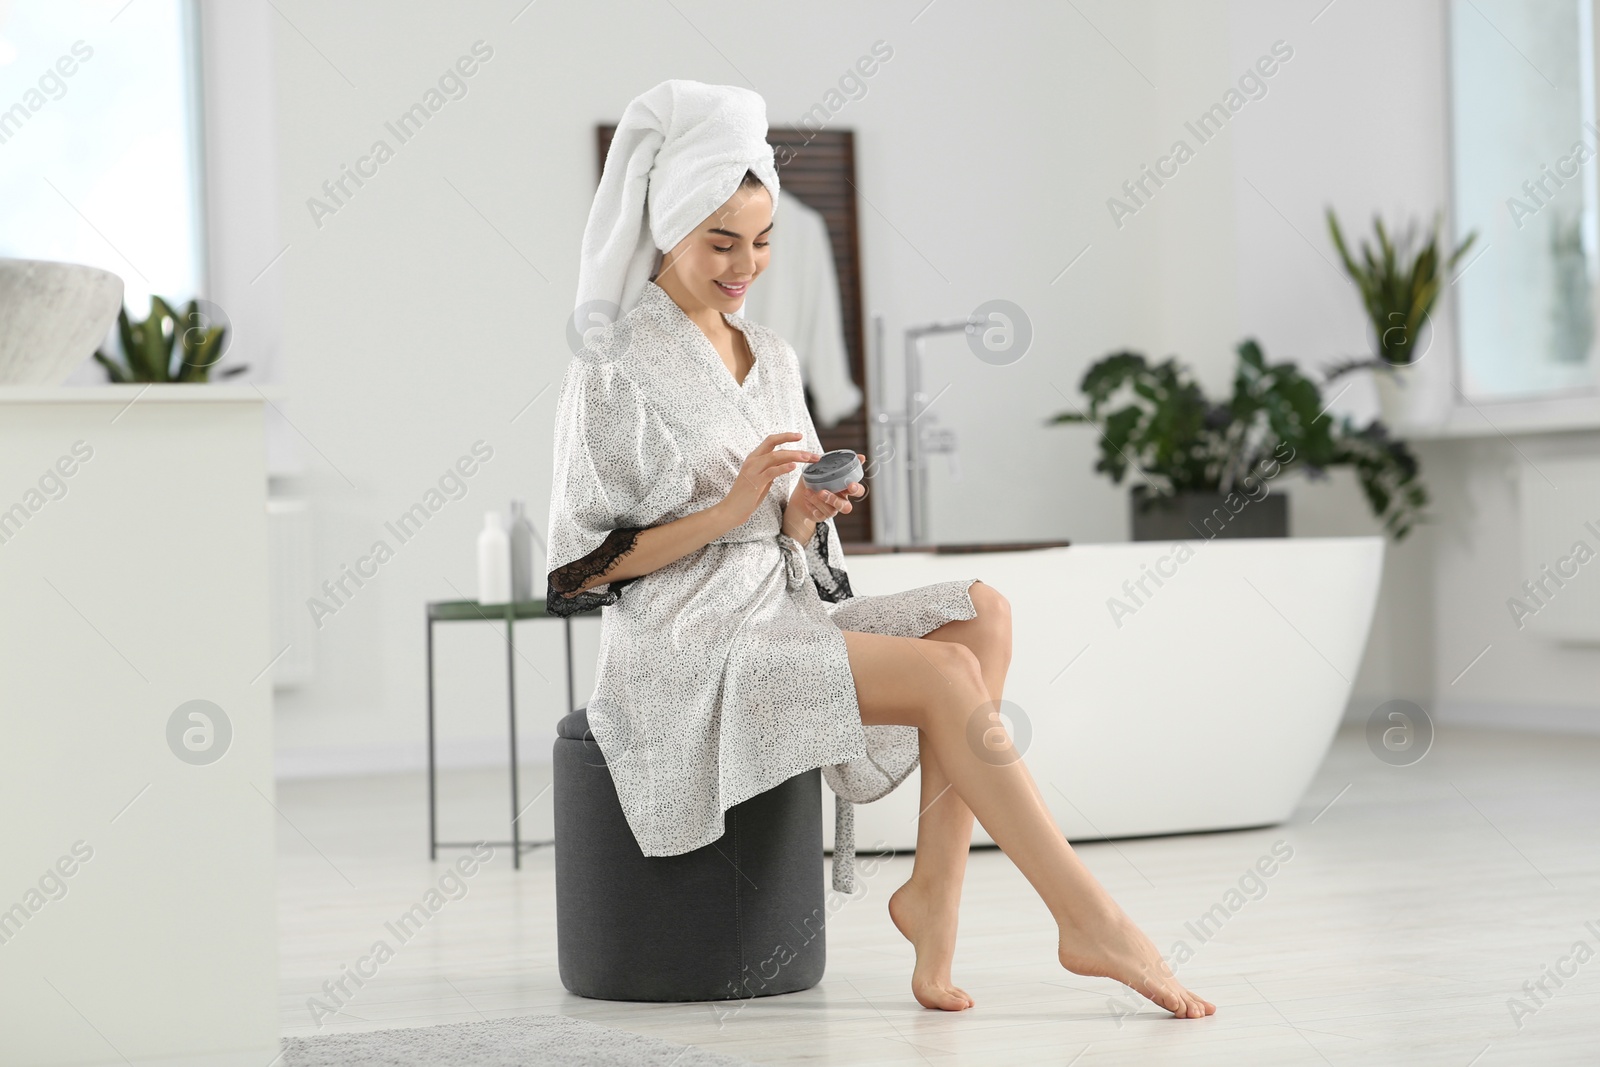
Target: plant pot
{"x":1397,"y":389}
{"x":1193,"y":516}
{"x":52,"y":316}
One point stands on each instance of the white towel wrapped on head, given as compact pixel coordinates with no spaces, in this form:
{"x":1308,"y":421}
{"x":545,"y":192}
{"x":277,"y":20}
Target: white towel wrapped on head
{"x":679,"y":152}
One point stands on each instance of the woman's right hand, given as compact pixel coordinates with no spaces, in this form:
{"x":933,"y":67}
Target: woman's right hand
{"x":760,"y":469}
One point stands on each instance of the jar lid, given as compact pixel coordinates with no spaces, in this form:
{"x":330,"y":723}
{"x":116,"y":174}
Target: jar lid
{"x":832,"y":465}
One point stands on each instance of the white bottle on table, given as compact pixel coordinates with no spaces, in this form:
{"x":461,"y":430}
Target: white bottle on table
{"x":521,"y":534}
{"x":494,"y":561}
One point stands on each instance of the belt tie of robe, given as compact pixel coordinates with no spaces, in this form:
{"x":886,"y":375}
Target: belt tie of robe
{"x":794,"y":562}
{"x":795,"y":568}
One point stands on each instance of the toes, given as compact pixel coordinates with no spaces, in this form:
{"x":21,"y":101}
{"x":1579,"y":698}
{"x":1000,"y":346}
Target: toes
{"x":1182,"y":1005}
{"x":1173,"y":1002}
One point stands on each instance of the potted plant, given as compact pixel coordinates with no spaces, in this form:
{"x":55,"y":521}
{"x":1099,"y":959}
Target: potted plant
{"x":1399,"y":283}
{"x":148,"y":346}
{"x":1203,"y":469}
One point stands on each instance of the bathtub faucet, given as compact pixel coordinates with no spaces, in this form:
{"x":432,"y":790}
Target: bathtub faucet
{"x":922,"y":437}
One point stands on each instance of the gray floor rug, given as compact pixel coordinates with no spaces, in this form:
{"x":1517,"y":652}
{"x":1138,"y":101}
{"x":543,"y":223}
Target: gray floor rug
{"x":526,"y":1039}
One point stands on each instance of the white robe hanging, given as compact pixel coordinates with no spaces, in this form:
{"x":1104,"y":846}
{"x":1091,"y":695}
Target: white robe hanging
{"x":723,"y":673}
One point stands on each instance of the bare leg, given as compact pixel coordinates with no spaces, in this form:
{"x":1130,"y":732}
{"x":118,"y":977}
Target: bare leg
{"x":927,"y":908}
{"x":939,"y":687}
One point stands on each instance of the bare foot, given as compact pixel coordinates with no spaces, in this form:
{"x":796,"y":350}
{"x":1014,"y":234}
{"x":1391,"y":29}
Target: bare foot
{"x":930,"y":926}
{"x":1111,"y":946}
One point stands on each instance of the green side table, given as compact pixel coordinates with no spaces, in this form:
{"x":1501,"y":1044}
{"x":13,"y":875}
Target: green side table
{"x":472,"y":611}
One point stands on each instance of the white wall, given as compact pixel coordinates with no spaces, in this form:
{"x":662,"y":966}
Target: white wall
{"x":428,"y":312}
{"x":1523,"y":679}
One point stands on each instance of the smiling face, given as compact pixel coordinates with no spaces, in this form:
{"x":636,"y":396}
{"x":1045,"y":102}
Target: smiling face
{"x":714,"y":266}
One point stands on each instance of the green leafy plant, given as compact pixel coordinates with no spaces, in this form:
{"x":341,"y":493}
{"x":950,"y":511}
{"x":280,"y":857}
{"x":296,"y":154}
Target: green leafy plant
{"x":1155,"y":421}
{"x":1398,"y":288}
{"x":168,"y":347}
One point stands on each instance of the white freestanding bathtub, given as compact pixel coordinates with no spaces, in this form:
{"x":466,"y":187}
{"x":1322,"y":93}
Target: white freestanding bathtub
{"x":1205,"y":702}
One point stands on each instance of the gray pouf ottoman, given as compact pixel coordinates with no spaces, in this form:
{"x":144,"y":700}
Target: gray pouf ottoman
{"x":741,"y":917}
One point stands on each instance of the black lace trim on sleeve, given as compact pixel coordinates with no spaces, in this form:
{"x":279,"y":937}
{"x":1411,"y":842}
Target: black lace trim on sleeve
{"x":832,"y":584}
{"x":571,"y":576}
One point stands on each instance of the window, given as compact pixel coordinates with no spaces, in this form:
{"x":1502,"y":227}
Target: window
{"x":99,"y":140}
{"x":1524,"y":144}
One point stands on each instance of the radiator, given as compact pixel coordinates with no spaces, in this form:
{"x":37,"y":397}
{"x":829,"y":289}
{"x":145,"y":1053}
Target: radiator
{"x":1558,"y":595}
{"x":289,"y":576}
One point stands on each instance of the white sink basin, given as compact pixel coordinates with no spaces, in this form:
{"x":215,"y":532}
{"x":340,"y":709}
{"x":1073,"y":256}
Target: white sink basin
{"x":52,"y":316}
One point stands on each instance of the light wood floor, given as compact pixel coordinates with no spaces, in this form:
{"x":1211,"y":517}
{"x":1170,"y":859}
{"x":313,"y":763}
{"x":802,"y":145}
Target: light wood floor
{"x":1416,"y":904}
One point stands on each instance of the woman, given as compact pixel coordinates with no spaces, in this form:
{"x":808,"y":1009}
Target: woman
{"x":733,"y":652}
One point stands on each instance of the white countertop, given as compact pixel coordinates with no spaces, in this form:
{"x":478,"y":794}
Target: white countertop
{"x":1490,"y":418}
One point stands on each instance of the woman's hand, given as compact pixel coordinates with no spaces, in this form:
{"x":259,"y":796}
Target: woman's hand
{"x":808,"y":506}
{"x":760,"y":469}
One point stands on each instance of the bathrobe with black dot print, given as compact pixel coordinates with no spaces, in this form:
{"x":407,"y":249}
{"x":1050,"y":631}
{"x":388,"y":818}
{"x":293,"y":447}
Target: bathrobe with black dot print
{"x":723,"y":673}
